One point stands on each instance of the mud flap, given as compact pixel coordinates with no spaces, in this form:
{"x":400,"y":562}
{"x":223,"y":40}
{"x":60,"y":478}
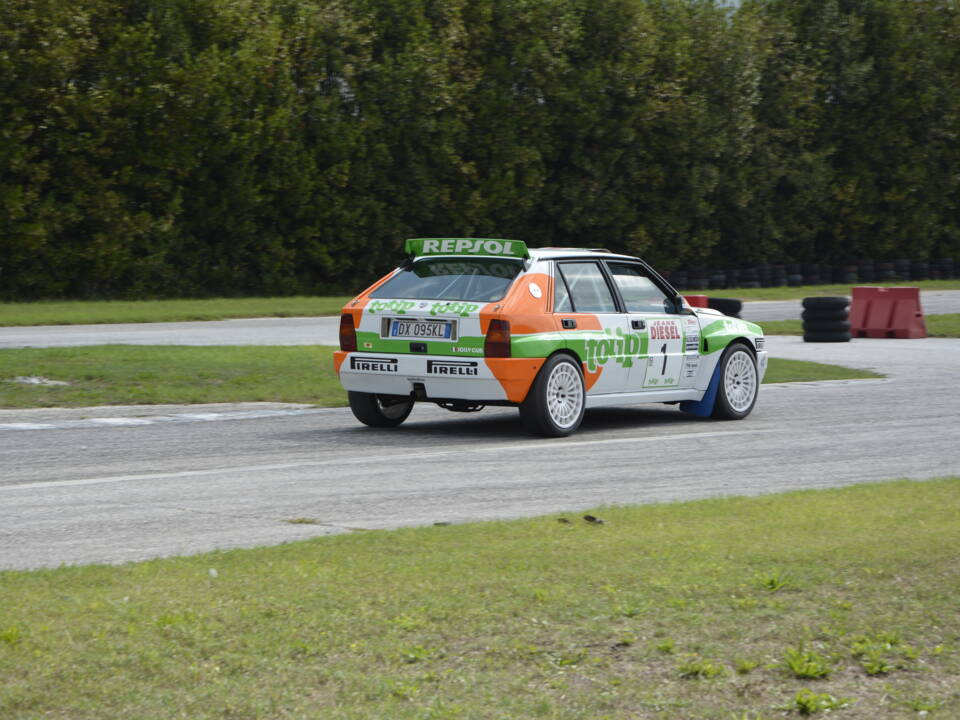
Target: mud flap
{"x":704,"y":406}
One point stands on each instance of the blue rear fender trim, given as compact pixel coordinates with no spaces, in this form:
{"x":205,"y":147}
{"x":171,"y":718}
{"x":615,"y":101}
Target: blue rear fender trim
{"x":704,"y":406}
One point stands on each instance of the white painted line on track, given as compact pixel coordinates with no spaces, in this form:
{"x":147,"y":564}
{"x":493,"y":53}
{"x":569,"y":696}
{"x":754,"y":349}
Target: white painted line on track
{"x":823,"y":383}
{"x":552,"y":446}
{"x":259,"y":414}
{"x":158,"y":419}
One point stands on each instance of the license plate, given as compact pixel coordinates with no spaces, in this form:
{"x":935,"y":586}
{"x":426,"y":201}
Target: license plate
{"x":422,"y":329}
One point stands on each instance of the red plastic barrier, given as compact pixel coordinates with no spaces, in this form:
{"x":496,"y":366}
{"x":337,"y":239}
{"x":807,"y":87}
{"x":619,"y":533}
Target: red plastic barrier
{"x":878,"y":312}
{"x":696,"y":300}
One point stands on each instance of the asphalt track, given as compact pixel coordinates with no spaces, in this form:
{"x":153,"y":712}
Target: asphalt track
{"x":121,"y":484}
{"x":311,"y":331}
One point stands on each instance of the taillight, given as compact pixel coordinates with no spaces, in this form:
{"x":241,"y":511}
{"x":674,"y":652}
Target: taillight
{"x":348,"y":333}
{"x":497,"y":341}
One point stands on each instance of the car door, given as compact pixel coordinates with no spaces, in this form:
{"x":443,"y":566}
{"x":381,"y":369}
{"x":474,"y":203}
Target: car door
{"x":593,"y":324}
{"x":672,"y":343}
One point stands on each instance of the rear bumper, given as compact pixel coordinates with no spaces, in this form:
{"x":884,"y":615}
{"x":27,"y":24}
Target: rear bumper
{"x":442,"y":377}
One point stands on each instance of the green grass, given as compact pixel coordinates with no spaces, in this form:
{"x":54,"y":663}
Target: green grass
{"x":781,"y":370}
{"x":141,"y":311}
{"x":795,"y":293}
{"x":93,"y":312}
{"x":132,"y":374}
{"x":947,"y":325}
{"x":524,"y":619}
{"x":137,"y":374}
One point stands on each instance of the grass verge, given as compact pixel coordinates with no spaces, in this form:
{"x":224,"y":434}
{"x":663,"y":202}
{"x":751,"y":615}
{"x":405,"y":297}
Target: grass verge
{"x":777,"y":606}
{"x":796,"y":293}
{"x":947,"y":325}
{"x":145,"y":311}
{"x":146,"y":375}
{"x":137,"y":311}
{"x":782,"y":370}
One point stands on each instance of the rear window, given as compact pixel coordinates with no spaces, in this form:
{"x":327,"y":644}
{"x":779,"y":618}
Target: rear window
{"x":477,"y":279}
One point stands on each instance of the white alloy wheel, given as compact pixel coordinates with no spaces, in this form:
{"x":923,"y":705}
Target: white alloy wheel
{"x":564,"y":395}
{"x":555,"y":402}
{"x":740,"y":381}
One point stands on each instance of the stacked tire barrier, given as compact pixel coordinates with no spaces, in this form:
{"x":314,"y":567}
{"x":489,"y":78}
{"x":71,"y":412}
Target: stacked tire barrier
{"x":865,"y":270}
{"x":826,"y":319}
{"x":728,"y":306}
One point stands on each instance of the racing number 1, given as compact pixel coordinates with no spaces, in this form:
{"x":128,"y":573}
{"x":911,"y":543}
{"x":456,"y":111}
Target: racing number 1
{"x":664,"y":351}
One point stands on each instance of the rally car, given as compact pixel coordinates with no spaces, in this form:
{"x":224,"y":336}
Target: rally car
{"x":470,"y":322}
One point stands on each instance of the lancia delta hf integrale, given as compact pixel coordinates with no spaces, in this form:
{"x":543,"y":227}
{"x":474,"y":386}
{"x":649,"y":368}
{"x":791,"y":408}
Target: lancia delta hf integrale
{"x":468,"y":322}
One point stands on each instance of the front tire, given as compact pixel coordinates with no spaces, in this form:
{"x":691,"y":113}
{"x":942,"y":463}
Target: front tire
{"x":556,"y":401}
{"x":379,"y":410}
{"x":739,"y":383}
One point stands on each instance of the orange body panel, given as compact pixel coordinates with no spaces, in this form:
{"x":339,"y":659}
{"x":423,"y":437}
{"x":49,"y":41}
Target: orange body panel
{"x":526,"y":312}
{"x":516,"y":375}
{"x":590,"y":378}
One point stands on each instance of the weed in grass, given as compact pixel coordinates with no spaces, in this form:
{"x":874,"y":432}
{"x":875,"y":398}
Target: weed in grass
{"x":666,"y":646}
{"x":407,"y":623}
{"x":805,"y":664}
{"x":568,"y":658}
{"x":873,"y":663}
{"x":920,"y":705}
{"x":807,"y":702}
{"x":773,"y":581}
{"x":745,"y":667}
{"x":419,"y":653}
{"x":629,"y":611}
{"x":403,"y":690}
{"x":882,"y":653}
{"x":11,"y":635}
{"x":695,"y":667}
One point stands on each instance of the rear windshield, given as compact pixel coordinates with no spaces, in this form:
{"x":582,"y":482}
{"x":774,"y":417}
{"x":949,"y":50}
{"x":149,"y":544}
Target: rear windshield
{"x":478,"y":279}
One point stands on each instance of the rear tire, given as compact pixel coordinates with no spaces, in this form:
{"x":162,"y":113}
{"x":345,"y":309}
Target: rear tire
{"x":379,"y":410}
{"x":739,"y":383}
{"x":555,"y":403}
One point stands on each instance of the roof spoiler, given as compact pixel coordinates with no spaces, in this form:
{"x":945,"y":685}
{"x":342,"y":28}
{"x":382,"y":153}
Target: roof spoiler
{"x":487,"y":247}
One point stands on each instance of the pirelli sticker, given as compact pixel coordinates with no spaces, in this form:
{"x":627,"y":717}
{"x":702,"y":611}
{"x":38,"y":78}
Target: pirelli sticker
{"x":374,"y":364}
{"x":453,"y":368}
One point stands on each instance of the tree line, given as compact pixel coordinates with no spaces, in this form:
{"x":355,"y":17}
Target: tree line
{"x":239,"y":147}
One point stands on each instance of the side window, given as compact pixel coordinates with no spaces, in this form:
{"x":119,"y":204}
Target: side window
{"x":561,"y":298}
{"x":588,"y":289}
{"x":637,"y":290}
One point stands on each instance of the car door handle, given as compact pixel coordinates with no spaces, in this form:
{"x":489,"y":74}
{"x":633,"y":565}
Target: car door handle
{"x":638,"y":324}
{"x":568,"y":324}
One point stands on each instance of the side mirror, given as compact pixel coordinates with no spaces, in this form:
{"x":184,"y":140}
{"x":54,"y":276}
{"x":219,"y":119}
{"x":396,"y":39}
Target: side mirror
{"x":675,"y":306}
